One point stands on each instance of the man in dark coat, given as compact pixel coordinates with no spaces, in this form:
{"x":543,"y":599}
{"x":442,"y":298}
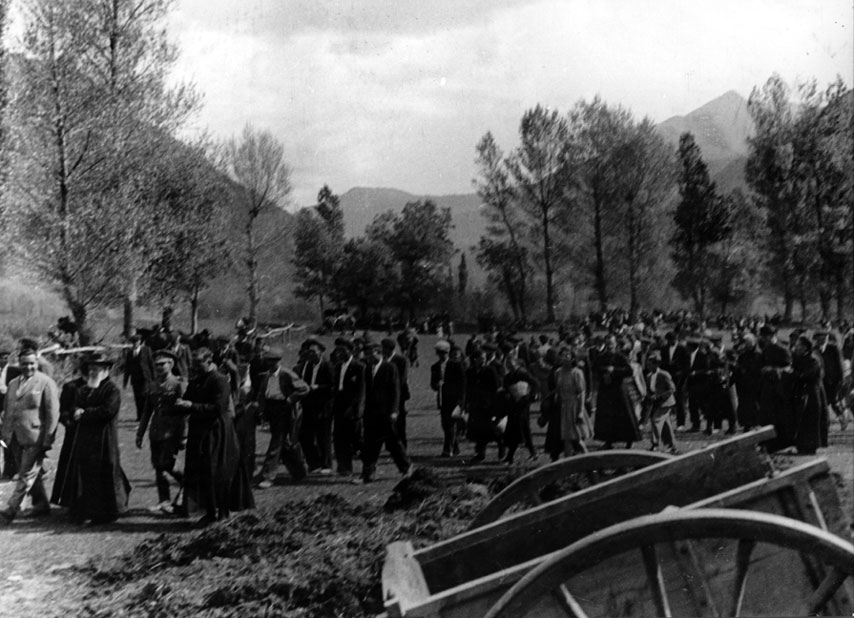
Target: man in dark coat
{"x":482,"y":384}
{"x":139,"y":371}
{"x":348,"y":405}
{"x":183,"y":358}
{"x":91,"y":482}
{"x":7,"y":374}
{"x":775,"y":393}
{"x":315,"y":433}
{"x":615,"y":420}
{"x":382,"y":394}
{"x":167,"y":427}
{"x":699,"y":383}
{"x":808,"y":399}
{"x":391,"y":355}
{"x":448,"y":379}
{"x":676,"y":360}
{"x":279,"y":392}
{"x":215,"y":481}
{"x":747,"y":376}
{"x":833,"y":375}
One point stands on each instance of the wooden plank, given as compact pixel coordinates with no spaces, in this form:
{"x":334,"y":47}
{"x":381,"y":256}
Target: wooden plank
{"x":529,"y":486}
{"x":826,"y":590}
{"x":656,"y":580}
{"x":523,"y":536}
{"x":568,"y":603}
{"x":468,"y":597}
{"x":742,"y":564}
{"x":403,"y":583}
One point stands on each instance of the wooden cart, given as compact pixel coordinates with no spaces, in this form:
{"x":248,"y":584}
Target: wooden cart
{"x":466,"y":575}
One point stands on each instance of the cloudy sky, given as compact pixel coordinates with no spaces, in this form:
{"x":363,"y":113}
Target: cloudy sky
{"x":396,"y":93}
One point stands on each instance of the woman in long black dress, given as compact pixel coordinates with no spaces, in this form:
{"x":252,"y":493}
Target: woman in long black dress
{"x":808,"y":397}
{"x":615,"y":420}
{"x":89,"y":479}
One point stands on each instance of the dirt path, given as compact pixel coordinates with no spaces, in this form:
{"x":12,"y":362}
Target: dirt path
{"x":35,"y":579}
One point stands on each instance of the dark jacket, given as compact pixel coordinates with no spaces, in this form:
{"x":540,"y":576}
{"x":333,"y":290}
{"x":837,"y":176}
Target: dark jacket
{"x":450,"y":388}
{"x":167,"y":421}
{"x":215,"y":481}
{"x":679,"y":366}
{"x":318,"y":400}
{"x":89,"y":477}
{"x":402,"y":366}
{"x":349,"y":401}
{"x":139,"y":368}
{"x":382,"y":391}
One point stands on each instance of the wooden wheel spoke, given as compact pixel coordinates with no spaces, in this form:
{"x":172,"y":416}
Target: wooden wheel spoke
{"x":742,"y":564}
{"x":656,"y":579}
{"x":568,"y":603}
{"x":826,"y":589}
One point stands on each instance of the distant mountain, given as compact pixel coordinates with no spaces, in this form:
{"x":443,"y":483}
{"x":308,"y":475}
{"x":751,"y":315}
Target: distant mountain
{"x":720,"y":128}
{"x":361,"y":204}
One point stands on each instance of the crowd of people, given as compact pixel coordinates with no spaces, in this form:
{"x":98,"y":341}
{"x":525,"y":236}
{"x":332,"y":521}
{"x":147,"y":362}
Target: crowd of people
{"x":328,"y":413}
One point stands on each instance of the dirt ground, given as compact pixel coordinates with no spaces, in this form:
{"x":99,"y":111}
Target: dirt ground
{"x":35,"y":575}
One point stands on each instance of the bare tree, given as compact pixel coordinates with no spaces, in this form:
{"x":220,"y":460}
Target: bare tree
{"x":256,"y":162}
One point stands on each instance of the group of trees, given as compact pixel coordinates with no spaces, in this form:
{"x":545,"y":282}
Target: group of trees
{"x":401,"y":261}
{"x":800,"y":171}
{"x":100,"y":197}
{"x":577,"y":203}
{"x":595,"y":200}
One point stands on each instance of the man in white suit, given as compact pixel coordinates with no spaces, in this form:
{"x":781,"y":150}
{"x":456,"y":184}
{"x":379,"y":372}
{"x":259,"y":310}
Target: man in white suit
{"x":30,"y":417}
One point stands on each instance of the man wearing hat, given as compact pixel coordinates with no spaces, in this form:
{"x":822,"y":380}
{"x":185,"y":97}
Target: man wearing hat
{"x":30,"y":417}
{"x":392,"y":356}
{"x":448,"y":379}
{"x":166,"y":424}
{"x":279,"y":392}
{"x":7,"y":374}
{"x":831,"y":358}
{"x":776,"y":388}
{"x":676,"y":360}
{"x":747,"y":376}
{"x":382,"y":391}
{"x":139,"y":371}
{"x":94,"y":486}
{"x":348,"y":405}
{"x":661,"y":393}
{"x":316,"y":429}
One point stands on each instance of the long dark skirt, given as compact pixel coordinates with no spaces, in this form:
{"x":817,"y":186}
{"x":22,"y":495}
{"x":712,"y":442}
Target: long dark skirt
{"x":89,"y":476}
{"x":216,"y":481}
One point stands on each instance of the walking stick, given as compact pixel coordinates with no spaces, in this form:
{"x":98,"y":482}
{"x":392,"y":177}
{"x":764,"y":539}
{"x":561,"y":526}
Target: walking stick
{"x":70,"y":458}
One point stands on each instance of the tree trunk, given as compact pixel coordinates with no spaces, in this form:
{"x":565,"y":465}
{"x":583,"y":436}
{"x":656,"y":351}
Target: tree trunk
{"x":194,"y":310}
{"x":547,"y":256}
{"x":129,"y":303}
{"x":632,"y":255}
{"x":840,"y":291}
{"x":601,"y":288}
{"x":252,"y":265}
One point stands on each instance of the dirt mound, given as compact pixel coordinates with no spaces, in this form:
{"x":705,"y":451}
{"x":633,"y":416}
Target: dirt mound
{"x":316,"y":558}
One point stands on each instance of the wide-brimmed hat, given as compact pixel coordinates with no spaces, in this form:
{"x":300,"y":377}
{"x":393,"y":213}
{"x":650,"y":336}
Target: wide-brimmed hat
{"x":167,"y":354}
{"x":97,"y":358}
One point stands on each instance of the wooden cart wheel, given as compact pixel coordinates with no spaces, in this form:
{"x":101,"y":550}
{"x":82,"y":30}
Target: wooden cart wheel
{"x":834,"y":555}
{"x":593,"y":468}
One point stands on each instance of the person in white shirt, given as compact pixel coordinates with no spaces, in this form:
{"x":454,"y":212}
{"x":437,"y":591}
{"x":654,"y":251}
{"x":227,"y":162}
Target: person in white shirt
{"x":661,"y":401}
